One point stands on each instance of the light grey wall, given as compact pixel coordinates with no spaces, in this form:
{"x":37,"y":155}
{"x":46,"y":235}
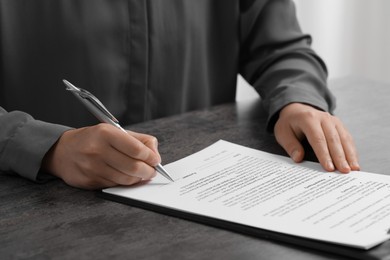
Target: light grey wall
{"x":352,"y":36}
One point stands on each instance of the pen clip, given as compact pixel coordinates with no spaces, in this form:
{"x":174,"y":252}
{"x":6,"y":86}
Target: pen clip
{"x":86,"y":95}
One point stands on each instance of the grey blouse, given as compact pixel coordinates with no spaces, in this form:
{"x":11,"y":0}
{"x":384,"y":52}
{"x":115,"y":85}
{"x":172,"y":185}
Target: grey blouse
{"x":143,"y":59}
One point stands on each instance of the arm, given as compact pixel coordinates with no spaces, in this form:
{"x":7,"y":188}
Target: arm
{"x":91,"y":157}
{"x":277,"y":60}
{"x":24,"y":142}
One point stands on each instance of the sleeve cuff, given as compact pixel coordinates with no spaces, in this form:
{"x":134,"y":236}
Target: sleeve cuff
{"x":29,"y":145}
{"x":295,"y":95}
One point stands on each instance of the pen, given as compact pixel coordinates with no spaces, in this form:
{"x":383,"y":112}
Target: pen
{"x":100,"y":112}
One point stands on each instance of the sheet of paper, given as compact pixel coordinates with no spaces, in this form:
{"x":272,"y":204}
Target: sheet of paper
{"x":246,"y":186}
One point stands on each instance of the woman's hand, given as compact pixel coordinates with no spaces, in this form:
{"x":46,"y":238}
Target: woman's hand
{"x":331,"y":141}
{"x":102,"y":156}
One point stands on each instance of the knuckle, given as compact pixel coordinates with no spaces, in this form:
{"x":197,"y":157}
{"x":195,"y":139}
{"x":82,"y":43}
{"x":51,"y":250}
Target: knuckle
{"x":333,"y":138}
{"x":103,"y":130}
{"x":318,"y":115}
{"x":310,"y":114}
{"x":318,"y":140}
{"x":327,"y":115}
{"x":153,"y":140}
{"x":137,"y":148}
{"x":288,"y":145}
{"x":136,"y":167}
{"x":346,"y":136}
{"x":88,"y":167}
{"x":338,"y":156}
{"x":336,"y":120}
{"x":330,"y":119}
{"x":92,"y":149}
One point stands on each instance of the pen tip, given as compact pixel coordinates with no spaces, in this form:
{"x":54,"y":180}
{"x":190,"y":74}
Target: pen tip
{"x":163,"y":172}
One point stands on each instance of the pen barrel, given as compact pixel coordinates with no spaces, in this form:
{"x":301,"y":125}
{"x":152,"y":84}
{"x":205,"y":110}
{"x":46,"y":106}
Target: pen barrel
{"x":104,"y":117}
{"x":95,"y":111}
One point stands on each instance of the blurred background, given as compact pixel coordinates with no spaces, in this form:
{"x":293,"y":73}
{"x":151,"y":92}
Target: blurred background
{"x":352,"y":36}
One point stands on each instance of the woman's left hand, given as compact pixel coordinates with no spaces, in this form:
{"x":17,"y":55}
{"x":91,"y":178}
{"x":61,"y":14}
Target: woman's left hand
{"x":330,"y":140}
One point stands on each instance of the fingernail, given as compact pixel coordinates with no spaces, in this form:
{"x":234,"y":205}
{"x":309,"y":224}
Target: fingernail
{"x":345,"y":166}
{"x":355,"y":166}
{"x":295,"y":155}
{"x":330,"y":165}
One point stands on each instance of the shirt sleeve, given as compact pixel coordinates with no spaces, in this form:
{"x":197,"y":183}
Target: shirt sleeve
{"x":277,"y":60}
{"x":24,"y":142}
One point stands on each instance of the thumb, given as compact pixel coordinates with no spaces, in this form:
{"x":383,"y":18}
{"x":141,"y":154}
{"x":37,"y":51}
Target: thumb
{"x":290,"y":143}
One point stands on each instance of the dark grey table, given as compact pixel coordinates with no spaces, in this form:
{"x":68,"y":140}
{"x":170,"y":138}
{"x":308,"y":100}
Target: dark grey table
{"x":55,"y":221}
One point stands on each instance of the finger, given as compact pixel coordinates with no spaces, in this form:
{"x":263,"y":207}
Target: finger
{"x":335,"y":147}
{"x":316,"y":138}
{"x":119,"y":178}
{"x":148,"y":140}
{"x":349,"y":148}
{"x":96,"y":174}
{"x":97,"y":183}
{"x":132,"y":147}
{"x":129,"y":166}
{"x":106,"y":177}
{"x":288,"y":139}
{"x":84,"y":181}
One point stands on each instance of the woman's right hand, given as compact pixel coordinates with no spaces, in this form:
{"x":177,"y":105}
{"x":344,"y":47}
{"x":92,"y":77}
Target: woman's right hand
{"x":102,"y":156}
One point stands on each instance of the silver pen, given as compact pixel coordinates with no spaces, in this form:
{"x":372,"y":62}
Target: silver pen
{"x":100,"y":112}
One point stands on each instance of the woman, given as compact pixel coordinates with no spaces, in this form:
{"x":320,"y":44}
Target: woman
{"x":149,"y":59}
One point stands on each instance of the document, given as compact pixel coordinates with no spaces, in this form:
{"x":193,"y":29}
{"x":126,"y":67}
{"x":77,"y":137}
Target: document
{"x":240,"y":185}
